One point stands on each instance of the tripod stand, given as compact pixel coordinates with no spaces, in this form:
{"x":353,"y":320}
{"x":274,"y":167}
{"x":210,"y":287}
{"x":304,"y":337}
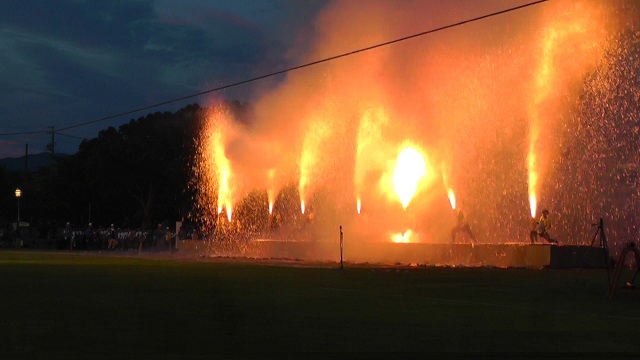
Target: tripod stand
{"x":599,"y":234}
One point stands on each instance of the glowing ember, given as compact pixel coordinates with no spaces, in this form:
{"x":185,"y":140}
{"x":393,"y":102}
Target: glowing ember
{"x":359,"y":205}
{"x":302,"y":206}
{"x":402,"y":237}
{"x":452,"y":199}
{"x":410,"y":169}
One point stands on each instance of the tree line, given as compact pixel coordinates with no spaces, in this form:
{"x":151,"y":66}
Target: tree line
{"x":135,"y":175}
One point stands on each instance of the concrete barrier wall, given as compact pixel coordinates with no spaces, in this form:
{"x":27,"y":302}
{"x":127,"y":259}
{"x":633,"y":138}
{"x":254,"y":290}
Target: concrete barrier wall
{"x":499,"y":255}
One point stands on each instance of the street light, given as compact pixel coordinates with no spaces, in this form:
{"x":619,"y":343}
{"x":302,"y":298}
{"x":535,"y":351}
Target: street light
{"x":18,"y":195}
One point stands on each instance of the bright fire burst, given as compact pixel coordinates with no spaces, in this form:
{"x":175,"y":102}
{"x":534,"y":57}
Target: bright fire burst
{"x":450,"y":194}
{"x":410,"y":169}
{"x":271,"y":192}
{"x":452,"y":199}
{"x":402,"y":237}
{"x":533,"y":204}
{"x":359,"y":205}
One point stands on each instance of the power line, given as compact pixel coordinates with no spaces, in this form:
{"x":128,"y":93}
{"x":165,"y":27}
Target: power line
{"x":445,"y":27}
{"x":69,"y":135}
{"x":25,"y":133}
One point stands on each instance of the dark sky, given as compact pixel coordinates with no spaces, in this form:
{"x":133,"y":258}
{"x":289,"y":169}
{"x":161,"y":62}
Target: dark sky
{"x":67,"y":62}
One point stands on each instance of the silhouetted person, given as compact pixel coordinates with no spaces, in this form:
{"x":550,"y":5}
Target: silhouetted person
{"x":158,"y":238}
{"x":113,"y":238}
{"x":462,"y":226}
{"x":170,"y":240}
{"x":141,"y":235}
{"x":67,"y":235}
{"x":88,"y":236}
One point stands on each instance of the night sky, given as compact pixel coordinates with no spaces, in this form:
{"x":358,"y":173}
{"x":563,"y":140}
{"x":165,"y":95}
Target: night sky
{"x":67,"y":62}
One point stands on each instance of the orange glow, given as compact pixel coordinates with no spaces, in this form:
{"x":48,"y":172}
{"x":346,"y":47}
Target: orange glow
{"x":402,"y":237}
{"x":410,"y":169}
{"x":452,"y":199}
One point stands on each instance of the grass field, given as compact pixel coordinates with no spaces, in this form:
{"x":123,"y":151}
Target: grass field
{"x":55,"y":304}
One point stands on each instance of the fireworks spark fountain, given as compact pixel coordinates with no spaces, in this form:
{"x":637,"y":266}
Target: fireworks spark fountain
{"x":450,"y":194}
{"x":271,"y":191}
{"x":563,"y":36}
{"x":501,"y":108}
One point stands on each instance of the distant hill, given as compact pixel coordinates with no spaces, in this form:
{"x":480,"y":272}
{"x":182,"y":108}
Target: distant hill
{"x":36,"y":161}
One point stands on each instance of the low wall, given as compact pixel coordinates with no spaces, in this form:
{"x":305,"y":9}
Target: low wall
{"x":499,"y":255}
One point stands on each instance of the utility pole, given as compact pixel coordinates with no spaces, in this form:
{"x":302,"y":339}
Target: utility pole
{"x":53,"y":141}
{"x":26,"y":159}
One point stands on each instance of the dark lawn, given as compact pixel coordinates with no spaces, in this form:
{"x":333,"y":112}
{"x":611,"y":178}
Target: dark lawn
{"x":54,"y":304}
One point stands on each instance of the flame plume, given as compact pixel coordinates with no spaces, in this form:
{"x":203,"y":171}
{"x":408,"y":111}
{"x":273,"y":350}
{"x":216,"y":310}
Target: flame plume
{"x":311,"y":156}
{"x":566,"y":36}
{"x":271,"y":192}
{"x":452,"y":198}
{"x":410,"y":169}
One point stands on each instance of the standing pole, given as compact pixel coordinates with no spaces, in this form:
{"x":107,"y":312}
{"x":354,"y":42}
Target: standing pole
{"x":605,"y":247}
{"x":26,"y":159}
{"x":53,"y":141}
{"x":18,"y":236}
{"x":341,"y":247}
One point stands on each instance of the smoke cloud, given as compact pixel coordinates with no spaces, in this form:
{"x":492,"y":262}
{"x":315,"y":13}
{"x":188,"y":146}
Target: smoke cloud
{"x":487,"y":104}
